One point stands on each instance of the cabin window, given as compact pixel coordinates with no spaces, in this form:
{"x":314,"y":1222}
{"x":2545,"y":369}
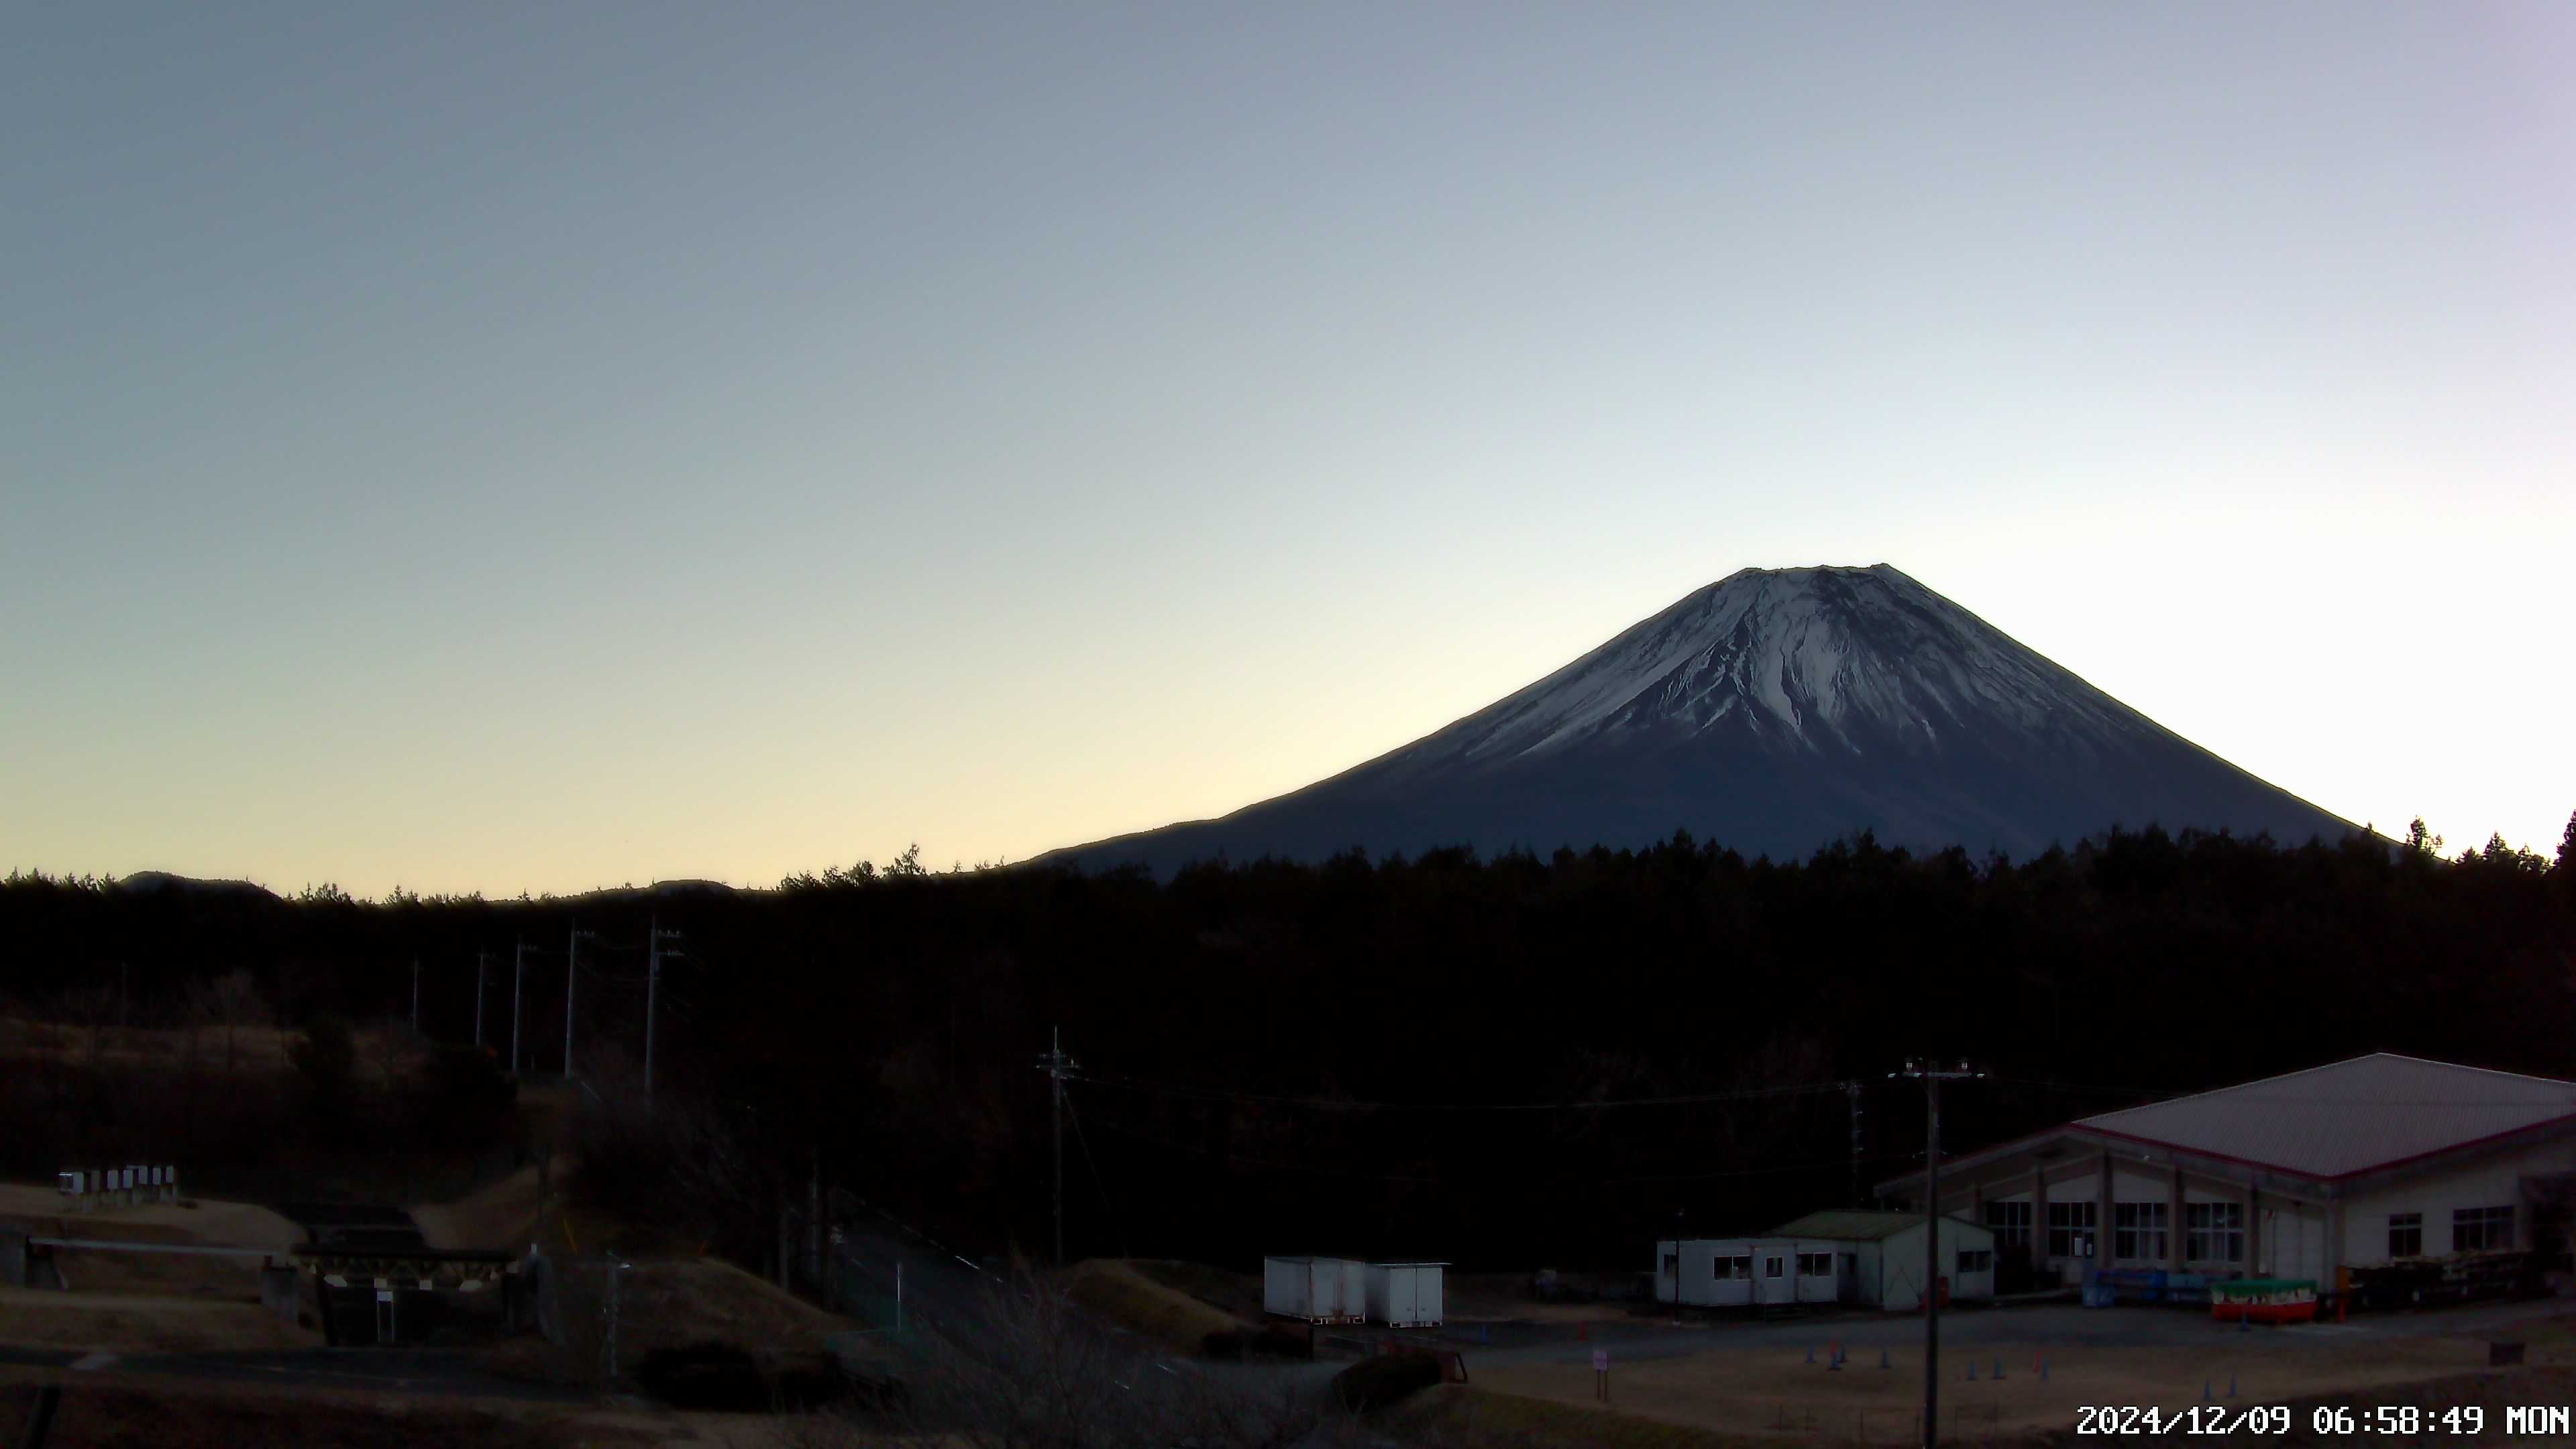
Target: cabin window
{"x":2481,"y":1230}
{"x":1673,"y":1265}
{"x":1976,"y":1260}
{"x":1740,"y":1266}
{"x":1815,"y":1265}
{"x":2139,"y":1230}
{"x":2011,"y":1223}
{"x":2406,"y":1235}
{"x":2214,"y":1232}
{"x":2070,"y":1229}
{"x":1771,"y":1266}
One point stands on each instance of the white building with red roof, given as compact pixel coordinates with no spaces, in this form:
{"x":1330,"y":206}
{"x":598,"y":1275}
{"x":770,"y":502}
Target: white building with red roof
{"x":2348,"y":1165}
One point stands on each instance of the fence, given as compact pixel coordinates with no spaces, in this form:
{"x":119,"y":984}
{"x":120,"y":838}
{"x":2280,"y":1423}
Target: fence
{"x":869,"y":1294}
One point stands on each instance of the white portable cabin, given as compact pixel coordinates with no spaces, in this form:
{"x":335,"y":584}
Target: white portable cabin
{"x":1885,"y":1252}
{"x":1405,"y":1295}
{"x":1746,"y":1272}
{"x":1705,"y":1270}
{"x":1318,"y":1290}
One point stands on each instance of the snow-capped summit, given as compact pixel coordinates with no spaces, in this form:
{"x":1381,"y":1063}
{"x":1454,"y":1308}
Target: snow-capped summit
{"x":1771,"y":711}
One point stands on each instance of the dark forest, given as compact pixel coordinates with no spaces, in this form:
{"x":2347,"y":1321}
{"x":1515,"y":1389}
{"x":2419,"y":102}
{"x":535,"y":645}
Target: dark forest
{"x":1505,"y":1062}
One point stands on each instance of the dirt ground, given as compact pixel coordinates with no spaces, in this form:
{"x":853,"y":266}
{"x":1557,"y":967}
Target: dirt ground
{"x":129,"y":1323}
{"x":37,"y":1211}
{"x":101,"y":1411}
{"x":1771,"y":1389}
{"x":239,"y":1224}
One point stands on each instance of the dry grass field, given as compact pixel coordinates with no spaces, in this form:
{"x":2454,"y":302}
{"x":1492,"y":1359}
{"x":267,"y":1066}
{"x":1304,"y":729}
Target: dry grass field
{"x":1139,"y":1298}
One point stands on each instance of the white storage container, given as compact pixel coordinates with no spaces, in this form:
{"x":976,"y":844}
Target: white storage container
{"x":1318,"y":1290}
{"x":1405,"y":1295}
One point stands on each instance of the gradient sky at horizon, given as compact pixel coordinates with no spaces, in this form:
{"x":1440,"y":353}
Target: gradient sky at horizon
{"x":501,"y":447}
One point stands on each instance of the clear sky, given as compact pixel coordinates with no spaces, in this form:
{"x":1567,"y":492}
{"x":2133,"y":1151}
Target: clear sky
{"x":500,"y":447}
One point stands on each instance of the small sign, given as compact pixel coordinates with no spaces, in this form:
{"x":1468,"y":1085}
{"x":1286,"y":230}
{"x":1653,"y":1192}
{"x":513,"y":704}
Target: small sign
{"x":1601,"y":1360}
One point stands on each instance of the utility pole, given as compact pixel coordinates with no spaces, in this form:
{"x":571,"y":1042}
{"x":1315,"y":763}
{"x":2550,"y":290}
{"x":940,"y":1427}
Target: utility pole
{"x":654,"y":936}
{"x":482,"y":958}
{"x":1851,"y":1093}
{"x":1679,"y":1216}
{"x":1932,"y":1077}
{"x":518,"y":989}
{"x":1057,"y":1066}
{"x":572,"y":964}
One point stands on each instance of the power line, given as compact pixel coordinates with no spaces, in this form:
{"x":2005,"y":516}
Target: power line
{"x":1238,"y":1159}
{"x":1094,"y":1165}
{"x":1334,"y":1104}
{"x":1242,"y":1159}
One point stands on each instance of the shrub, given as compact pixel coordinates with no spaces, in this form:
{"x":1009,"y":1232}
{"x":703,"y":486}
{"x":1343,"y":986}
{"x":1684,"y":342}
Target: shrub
{"x":1382,"y":1382}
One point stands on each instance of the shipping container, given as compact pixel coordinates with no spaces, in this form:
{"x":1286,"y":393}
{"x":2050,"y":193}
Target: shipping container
{"x":1405,"y":1295}
{"x":1317,"y":1290}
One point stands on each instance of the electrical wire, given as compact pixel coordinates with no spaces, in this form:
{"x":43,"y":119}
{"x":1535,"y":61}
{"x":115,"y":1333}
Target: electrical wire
{"x":1332,"y":1104}
{"x":1102,"y":1187}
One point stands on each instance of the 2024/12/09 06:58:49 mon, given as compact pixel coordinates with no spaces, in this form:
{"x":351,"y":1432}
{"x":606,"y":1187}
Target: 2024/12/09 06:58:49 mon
{"x":2141,"y":1419}
{"x":2395,"y":1421}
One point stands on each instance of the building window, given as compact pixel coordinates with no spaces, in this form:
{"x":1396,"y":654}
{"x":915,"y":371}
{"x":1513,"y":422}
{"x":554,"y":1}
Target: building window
{"x":1976,"y":1260}
{"x":1771,"y":1266}
{"x":2070,"y":1229}
{"x":1731,"y":1267}
{"x":2406,"y":1235}
{"x":2481,"y":1230}
{"x":2011,"y":1222}
{"x":1815,"y":1265}
{"x":2214,"y":1232}
{"x":2138,"y":1231}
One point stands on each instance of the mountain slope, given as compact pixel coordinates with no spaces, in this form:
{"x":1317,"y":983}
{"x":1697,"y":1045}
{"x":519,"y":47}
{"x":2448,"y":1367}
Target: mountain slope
{"x":1771,"y":711}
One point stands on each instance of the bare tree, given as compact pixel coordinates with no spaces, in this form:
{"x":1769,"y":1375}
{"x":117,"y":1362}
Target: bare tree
{"x":232,"y":1000}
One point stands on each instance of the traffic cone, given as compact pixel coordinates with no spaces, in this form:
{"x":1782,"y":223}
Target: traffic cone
{"x":1972,"y":1371}
{"x":1999,"y":1368}
{"x":2204,"y":1391}
{"x":1811,"y":1353}
{"x":2231,"y":1383}
{"x":1882,"y":1356}
{"x":2043,"y":1368}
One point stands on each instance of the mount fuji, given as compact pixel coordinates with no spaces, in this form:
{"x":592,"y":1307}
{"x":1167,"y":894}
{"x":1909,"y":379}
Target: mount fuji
{"x":1770,"y":712}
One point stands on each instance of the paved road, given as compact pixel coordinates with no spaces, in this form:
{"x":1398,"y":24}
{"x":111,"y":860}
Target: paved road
{"x":390,"y":1371}
{"x":2051,"y":1325}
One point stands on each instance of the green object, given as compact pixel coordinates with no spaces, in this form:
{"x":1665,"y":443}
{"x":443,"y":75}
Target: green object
{"x":2260,"y":1287}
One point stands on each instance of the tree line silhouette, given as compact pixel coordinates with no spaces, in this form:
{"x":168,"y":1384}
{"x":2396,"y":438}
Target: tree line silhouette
{"x":1508,"y":1061}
